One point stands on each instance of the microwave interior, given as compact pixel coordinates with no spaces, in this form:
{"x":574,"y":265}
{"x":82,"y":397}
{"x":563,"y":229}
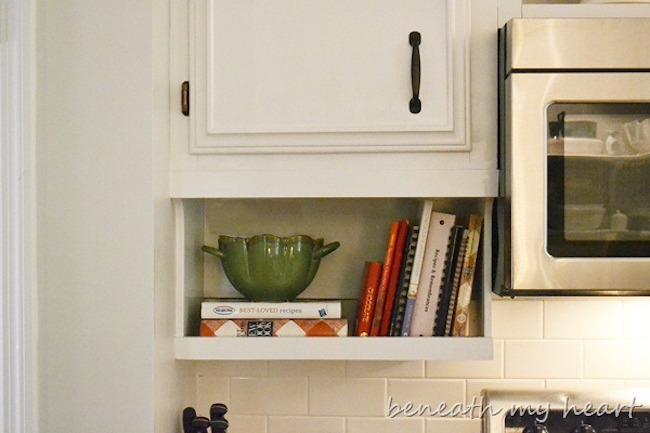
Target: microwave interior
{"x":598,"y":180}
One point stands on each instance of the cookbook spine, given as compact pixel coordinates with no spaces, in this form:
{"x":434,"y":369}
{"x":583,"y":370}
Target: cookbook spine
{"x":462,"y":316}
{"x":394,"y":278}
{"x":270,"y":310}
{"x":433,"y":268}
{"x":385,"y":279}
{"x":426,"y":209}
{"x":399,"y":306}
{"x":368,"y":299}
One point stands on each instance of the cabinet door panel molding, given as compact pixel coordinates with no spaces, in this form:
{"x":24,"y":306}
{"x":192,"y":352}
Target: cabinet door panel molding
{"x":326,"y":76}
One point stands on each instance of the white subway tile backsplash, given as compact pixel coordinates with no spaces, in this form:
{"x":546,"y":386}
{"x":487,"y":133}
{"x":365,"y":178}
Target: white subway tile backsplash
{"x":347,"y":397}
{"x":580,"y":319}
{"x":306,"y":368}
{"x":385,"y":369}
{"x":584,"y":384}
{"x":302,"y":424}
{"x":546,"y":359}
{"x":232,"y":368}
{"x":453,"y":426}
{"x":634,"y":383}
{"x":623,"y":359}
{"x":385,"y":425}
{"x":474,"y":388}
{"x":211,"y":390}
{"x":516,"y":319}
{"x":408,"y":396}
{"x":636,"y":319}
{"x":469,"y":369}
{"x":563,"y":344}
{"x":244,"y":423}
{"x":266,"y":396}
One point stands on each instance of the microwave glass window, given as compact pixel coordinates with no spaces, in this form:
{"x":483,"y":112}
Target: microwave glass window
{"x":598,"y":180}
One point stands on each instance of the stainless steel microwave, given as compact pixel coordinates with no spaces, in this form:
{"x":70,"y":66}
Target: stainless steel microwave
{"x":573,"y":216}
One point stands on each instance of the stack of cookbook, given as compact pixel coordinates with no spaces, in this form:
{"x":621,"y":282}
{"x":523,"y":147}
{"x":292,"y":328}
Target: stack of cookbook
{"x":424,"y":286}
{"x":240,"y":318}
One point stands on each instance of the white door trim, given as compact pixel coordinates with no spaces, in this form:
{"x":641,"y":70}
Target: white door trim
{"x":17,"y":215}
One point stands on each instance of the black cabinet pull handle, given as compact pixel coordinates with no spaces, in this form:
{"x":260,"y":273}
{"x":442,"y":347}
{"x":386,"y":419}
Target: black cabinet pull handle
{"x":185,"y":98}
{"x":415,"y":104}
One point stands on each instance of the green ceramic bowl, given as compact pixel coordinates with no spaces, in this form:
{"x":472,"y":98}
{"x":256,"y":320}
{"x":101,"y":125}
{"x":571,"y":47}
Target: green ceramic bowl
{"x":270,"y":268}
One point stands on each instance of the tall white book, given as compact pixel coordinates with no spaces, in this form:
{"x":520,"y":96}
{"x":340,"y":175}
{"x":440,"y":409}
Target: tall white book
{"x":426,"y":207}
{"x":431,"y":275}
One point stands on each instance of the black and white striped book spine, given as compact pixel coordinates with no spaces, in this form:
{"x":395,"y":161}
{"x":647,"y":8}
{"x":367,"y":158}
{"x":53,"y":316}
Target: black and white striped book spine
{"x":455,"y":240}
{"x":426,"y":208}
{"x":405,"y":276}
{"x":457,"y":274}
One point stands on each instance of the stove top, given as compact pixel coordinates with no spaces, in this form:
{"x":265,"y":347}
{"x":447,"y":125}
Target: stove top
{"x":556,"y":421}
{"x":623,"y":411}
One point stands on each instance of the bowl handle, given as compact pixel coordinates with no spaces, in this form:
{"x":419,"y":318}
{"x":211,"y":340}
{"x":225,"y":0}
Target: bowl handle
{"x":325,"y":250}
{"x":213,"y":251}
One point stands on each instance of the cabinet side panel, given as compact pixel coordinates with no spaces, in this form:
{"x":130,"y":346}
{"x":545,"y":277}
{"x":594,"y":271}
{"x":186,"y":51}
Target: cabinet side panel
{"x":174,"y":382}
{"x":192,"y":259}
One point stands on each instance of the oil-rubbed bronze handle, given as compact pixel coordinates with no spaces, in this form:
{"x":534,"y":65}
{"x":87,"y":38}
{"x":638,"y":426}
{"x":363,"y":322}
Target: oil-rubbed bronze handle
{"x":415,"y":39}
{"x":185,"y":98}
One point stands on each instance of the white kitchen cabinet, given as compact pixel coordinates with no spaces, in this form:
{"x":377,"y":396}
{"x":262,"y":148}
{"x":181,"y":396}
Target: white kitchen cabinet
{"x":299,"y":122}
{"x":312,"y":98}
{"x":268,"y":76}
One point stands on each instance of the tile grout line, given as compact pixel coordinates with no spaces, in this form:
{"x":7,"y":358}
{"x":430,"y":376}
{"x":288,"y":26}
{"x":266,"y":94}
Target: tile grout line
{"x":503,"y":363}
{"x":584,"y":359}
{"x":385,"y":402}
{"x":309,"y":388}
{"x":544,"y":308}
{"x":465,"y":392}
{"x":502,"y":367}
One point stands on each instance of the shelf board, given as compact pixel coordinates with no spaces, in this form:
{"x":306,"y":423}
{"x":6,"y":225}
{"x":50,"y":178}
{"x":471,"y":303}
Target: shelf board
{"x":333,"y":348}
{"x":335,"y":183}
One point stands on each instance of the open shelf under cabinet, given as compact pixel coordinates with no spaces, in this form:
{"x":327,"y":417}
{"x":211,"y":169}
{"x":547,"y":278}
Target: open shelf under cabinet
{"x":361,"y":225}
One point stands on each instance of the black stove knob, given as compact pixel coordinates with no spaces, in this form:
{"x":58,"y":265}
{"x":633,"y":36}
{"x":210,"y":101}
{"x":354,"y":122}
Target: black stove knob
{"x":583,"y":428}
{"x":536,"y":428}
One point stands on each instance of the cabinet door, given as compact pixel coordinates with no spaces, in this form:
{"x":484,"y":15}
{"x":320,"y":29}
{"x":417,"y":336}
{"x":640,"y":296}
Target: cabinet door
{"x":326,"y":75}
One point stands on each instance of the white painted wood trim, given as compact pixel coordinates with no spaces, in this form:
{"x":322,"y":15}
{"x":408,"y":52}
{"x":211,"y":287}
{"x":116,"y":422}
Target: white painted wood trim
{"x":486,"y":301}
{"x":331,"y":348}
{"x":17,"y":214}
{"x":335,"y":183}
{"x":179,"y":255}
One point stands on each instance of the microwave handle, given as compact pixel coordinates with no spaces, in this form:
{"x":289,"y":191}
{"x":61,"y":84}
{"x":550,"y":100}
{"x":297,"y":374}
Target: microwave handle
{"x":556,"y":129}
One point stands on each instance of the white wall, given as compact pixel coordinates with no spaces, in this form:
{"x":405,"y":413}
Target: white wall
{"x":95,"y":215}
{"x":560,"y":343}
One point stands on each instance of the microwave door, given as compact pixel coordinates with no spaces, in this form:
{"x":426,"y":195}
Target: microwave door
{"x":577,"y":161}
